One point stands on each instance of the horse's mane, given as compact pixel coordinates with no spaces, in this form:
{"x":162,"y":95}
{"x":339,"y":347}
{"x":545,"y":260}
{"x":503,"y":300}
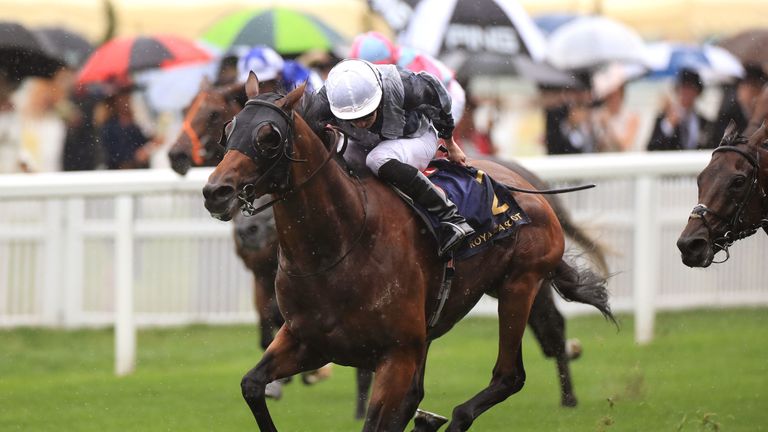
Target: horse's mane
{"x":312,"y":109}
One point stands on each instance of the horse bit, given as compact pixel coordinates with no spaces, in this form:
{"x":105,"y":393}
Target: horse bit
{"x":732,"y":234}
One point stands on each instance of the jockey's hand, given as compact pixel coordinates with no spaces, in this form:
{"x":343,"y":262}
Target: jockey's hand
{"x":455,"y":154}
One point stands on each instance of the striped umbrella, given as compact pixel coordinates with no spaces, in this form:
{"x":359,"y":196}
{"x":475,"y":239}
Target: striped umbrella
{"x":287,"y":31}
{"x":121,"y":57}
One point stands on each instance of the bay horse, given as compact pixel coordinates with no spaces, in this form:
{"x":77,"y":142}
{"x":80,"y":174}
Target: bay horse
{"x":732,"y":198}
{"x":358,"y":275}
{"x":213,"y":106}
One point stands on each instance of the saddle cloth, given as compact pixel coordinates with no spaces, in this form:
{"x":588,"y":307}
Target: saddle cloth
{"x":487,"y":205}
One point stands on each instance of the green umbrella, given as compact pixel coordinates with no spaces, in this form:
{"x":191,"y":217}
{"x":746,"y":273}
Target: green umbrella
{"x":287,"y":31}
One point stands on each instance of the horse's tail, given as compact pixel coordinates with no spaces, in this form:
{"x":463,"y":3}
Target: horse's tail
{"x":593,"y":248}
{"x":583,"y":286}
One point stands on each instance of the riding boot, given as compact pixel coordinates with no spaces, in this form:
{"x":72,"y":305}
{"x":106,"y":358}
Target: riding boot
{"x":454,"y":228}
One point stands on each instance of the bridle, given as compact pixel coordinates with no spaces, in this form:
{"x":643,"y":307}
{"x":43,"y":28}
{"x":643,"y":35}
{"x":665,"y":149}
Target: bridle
{"x":199,"y":147}
{"x":735,"y":229}
{"x":282,"y":154}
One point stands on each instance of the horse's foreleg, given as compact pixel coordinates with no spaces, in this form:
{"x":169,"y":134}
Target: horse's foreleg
{"x":364,"y":379}
{"x":515,"y":299}
{"x":393,"y":402}
{"x":548,"y":325}
{"x":266,"y":305}
{"x":285,"y":357}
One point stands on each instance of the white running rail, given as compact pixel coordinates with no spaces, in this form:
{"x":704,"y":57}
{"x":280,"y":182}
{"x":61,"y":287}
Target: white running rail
{"x":137,"y":248}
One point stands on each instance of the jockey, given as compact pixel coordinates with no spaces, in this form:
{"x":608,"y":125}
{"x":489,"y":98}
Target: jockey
{"x":376,"y":48}
{"x":408,"y":112}
{"x":276,"y":74}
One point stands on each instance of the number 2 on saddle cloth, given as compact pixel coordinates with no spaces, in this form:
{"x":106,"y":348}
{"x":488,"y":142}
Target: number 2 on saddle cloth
{"x":487,"y":205}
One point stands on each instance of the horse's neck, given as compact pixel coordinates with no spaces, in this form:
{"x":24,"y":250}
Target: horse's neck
{"x":319,"y":220}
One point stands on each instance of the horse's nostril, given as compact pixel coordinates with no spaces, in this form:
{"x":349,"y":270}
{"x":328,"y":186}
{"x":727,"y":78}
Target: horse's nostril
{"x":218,"y":193}
{"x":692,"y":245}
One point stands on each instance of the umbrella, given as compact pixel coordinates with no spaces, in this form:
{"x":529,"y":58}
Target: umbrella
{"x":440,"y":27}
{"x":489,"y":64}
{"x":713,"y":63}
{"x":67,"y":46}
{"x":21,"y":53}
{"x":749,"y":46}
{"x":396,"y":13}
{"x":591,"y":42}
{"x":550,"y":22}
{"x":287,"y":31}
{"x":120,"y":57}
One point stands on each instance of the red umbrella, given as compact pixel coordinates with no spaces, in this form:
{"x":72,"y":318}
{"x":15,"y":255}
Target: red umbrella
{"x":120,"y":57}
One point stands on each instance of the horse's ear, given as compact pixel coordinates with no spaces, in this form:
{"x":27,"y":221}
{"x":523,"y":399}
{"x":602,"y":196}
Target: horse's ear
{"x":731,"y":128}
{"x":205,"y":84}
{"x":252,"y":86}
{"x":292,"y":98}
{"x":731,"y":131}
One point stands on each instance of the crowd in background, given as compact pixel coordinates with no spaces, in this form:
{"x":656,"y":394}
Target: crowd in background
{"x":54,"y":124}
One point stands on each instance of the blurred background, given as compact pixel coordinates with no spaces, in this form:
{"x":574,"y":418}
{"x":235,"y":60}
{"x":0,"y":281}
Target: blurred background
{"x":97,"y":230}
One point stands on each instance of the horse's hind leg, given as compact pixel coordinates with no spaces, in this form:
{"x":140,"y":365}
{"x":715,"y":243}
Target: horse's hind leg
{"x":515,"y":300}
{"x":548,"y":325}
{"x":285,"y":357}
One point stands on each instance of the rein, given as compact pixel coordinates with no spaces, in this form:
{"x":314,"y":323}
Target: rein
{"x":190,"y":131}
{"x":732,"y":234}
{"x":248,"y":209}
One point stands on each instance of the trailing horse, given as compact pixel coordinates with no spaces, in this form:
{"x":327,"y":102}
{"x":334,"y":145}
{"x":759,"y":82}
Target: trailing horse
{"x":213,"y":106}
{"x":732,"y":198}
{"x":359,"y":277}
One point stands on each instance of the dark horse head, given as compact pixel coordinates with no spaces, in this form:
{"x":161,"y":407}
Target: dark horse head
{"x":260,"y":145}
{"x":209,"y":110}
{"x":732,"y":198}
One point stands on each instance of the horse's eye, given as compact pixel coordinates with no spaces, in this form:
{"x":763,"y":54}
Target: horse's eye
{"x":215,"y":115}
{"x":738,"y":182}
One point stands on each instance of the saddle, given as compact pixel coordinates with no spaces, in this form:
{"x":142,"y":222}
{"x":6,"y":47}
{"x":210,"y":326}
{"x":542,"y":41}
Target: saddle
{"x":487,"y":205}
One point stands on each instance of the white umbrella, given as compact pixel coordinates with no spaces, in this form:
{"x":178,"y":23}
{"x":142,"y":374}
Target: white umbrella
{"x":439,"y":27}
{"x":591,"y":42}
{"x":714,"y":64}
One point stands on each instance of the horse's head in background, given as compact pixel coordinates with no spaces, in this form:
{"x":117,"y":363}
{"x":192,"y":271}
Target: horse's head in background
{"x":259,"y":152}
{"x":209,"y":110}
{"x":732,"y":198}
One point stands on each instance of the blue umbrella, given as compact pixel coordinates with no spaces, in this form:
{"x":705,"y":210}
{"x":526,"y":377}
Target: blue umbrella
{"x":550,"y":22}
{"x":713,"y":63}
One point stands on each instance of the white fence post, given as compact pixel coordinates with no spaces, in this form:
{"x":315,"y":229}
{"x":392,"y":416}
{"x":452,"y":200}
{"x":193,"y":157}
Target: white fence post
{"x":646,"y":256}
{"x":125,"y":326}
{"x":51,"y":295}
{"x":72,"y":303}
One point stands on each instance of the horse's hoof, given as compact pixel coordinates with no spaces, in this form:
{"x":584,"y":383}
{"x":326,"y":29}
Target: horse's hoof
{"x":274,"y":390}
{"x":568,"y":401}
{"x":573,"y":349}
{"x":317,"y":375}
{"x":425,"y":421}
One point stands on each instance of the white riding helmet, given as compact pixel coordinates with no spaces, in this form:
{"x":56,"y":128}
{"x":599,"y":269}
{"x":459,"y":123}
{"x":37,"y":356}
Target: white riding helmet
{"x":353,"y":88}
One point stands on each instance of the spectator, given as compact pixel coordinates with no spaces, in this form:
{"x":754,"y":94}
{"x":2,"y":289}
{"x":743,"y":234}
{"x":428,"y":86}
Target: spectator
{"x":10,"y":129}
{"x":568,"y":126}
{"x":125,"y":145}
{"x":680,"y":126}
{"x":741,"y":106}
{"x":615,"y":127}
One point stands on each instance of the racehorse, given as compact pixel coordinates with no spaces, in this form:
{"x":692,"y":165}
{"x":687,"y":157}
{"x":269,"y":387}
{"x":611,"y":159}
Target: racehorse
{"x":732,"y":198}
{"x":545,"y":320}
{"x":212,"y":107}
{"x":351,"y":297}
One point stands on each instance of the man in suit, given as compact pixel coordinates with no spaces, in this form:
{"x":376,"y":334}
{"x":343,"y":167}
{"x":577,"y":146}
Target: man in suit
{"x":680,"y":127}
{"x":739,"y":104}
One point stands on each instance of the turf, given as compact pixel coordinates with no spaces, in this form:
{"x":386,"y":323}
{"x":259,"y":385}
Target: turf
{"x":705,"y":371}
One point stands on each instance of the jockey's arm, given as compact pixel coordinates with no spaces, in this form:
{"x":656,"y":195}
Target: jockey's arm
{"x":424,"y":93}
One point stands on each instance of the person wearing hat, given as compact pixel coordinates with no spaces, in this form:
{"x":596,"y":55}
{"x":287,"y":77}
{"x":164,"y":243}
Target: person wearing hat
{"x":680,"y":126}
{"x":739,"y":104}
{"x":410,"y":114}
{"x":274,"y":73}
